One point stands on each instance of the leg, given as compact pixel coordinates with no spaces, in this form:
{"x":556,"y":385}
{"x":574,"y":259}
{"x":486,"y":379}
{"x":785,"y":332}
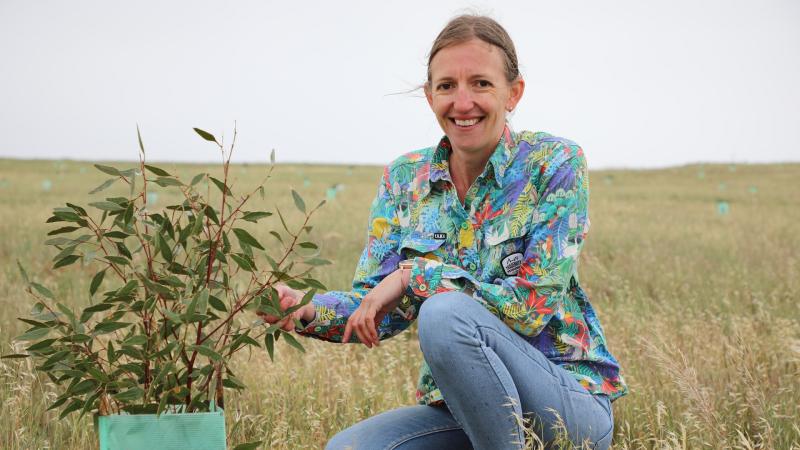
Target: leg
{"x":410,"y":428}
{"x":488,"y":374}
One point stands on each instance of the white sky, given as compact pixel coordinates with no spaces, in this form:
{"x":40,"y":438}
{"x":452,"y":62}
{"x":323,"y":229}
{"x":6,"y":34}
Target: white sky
{"x":636,"y":83}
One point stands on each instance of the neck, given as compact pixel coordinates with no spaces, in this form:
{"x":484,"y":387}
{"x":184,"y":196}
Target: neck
{"x":465,"y":169}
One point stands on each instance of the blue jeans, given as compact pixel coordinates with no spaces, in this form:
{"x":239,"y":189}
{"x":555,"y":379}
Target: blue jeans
{"x":489,"y":376}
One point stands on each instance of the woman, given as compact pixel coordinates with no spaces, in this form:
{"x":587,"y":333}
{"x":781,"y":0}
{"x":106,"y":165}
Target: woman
{"x":478,"y":238}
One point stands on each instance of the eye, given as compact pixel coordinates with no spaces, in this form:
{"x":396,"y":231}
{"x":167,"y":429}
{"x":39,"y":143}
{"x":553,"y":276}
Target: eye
{"x":484,"y":83}
{"x":444,"y":86}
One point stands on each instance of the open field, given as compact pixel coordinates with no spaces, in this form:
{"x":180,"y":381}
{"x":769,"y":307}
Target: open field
{"x":694,"y":271}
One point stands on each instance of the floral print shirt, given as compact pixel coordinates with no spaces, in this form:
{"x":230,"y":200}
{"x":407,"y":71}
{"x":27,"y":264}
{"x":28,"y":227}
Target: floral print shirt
{"x":512,"y":245}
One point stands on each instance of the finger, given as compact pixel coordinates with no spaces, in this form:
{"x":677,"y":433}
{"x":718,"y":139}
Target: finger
{"x":369,"y":327}
{"x":348,"y":330}
{"x":267,"y":317}
{"x":363,"y":331}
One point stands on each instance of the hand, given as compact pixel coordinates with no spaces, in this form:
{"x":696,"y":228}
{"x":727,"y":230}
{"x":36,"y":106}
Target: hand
{"x":289,"y":297}
{"x":374,"y":306}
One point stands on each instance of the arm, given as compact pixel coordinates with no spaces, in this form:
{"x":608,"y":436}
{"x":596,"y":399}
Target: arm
{"x":378,"y":260}
{"x":526,"y":302}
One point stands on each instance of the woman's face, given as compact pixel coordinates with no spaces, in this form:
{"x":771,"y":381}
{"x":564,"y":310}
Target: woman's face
{"x":470,"y":95}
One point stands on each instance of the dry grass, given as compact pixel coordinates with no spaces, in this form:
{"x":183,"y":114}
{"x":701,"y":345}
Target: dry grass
{"x":701,"y":309}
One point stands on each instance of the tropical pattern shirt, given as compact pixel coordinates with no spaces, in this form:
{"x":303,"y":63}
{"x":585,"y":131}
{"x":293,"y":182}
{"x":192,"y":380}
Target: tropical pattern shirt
{"x":512,"y":245}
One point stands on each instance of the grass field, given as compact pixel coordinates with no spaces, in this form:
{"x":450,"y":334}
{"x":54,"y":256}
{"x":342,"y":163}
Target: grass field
{"x":694,"y":272}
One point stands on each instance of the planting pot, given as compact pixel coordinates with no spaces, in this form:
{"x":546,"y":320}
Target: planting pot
{"x":173,"y":430}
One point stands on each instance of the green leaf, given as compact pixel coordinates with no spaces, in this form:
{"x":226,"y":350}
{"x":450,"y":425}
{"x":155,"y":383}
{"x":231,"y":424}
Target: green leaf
{"x":317,"y":262}
{"x":42,"y":290}
{"x":109,"y":327}
{"x":108,"y":169}
{"x":243,"y":262}
{"x":272,"y":156}
{"x":308,"y":245}
{"x":119,"y":260}
{"x":130,"y":395}
{"x":269,"y":344}
{"x":23,"y":273}
{"x":65,"y":261}
{"x":315,"y":284}
{"x":14,"y":356}
{"x":107,"y":206}
{"x":73,"y":406}
{"x":220,"y":185}
{"x":217,"y":304}
{"x":246,"y":238}
{"x":139,"y":137}
{"x":283,"y":222}
{"x":293,"y":342}
{"x":165,"y":369}
{"x":277,"y":236}
{"x":248,"y":445}
{"x":197,"y":178}
{"x":63,"y":230}
{"x":199,"y":303}
{"x":65,"y":252}
{"x":206,"y":351}
{"x":41,"y":345}
{"x":212,"y":214}
{"x":96,"y":281}
{"x":103,"y":186}
{"x":197,"y":226}
{"x":206,"y":135}
{"x":298,"y":201}
{"x":157,"y":171}
{"x":138,"y":339}
{"x":166,"y":181}
{"x":80,"y":211}
{"x":254,"y":216}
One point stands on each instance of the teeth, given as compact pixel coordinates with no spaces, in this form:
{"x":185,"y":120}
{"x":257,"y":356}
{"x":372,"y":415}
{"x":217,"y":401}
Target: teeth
{"x":466,"y":123}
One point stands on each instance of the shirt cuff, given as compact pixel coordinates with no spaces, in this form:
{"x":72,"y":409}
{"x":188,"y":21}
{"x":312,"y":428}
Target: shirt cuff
{"x":307,"y":326}
{"x":425,"y":277}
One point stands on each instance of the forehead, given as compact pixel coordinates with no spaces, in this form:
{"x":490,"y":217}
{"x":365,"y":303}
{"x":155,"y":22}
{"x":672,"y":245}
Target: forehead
{"x":468,"y":58}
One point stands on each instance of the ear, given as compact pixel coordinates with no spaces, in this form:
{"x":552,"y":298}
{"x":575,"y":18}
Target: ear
{"x":515,"y":94}
{"x":428,"y":94}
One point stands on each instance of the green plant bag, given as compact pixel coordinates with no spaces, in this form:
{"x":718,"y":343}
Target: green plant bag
{"x":169,"y":431}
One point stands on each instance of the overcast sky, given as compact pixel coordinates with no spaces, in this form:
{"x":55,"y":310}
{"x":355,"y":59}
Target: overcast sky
{"x":636,"y":83}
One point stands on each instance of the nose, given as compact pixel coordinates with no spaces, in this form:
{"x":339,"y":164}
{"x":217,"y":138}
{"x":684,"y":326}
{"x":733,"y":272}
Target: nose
{"x":463,"y":101}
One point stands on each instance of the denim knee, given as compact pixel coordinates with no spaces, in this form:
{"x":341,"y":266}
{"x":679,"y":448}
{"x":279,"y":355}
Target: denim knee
{"x":439,"y":319}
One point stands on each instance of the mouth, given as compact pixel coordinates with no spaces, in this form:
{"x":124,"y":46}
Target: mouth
{"x":466,"y":123}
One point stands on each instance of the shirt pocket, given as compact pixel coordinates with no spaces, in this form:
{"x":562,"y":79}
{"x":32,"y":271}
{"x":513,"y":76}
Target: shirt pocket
{"x":505,"y":243}
{"x":421,"y":244}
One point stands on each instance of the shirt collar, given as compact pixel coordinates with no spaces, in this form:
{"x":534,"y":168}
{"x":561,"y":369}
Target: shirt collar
{"x":503,"y":155}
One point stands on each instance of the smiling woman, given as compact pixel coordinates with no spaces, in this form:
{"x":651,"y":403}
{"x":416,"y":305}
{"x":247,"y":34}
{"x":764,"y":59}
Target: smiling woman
{"x":478,"y":237}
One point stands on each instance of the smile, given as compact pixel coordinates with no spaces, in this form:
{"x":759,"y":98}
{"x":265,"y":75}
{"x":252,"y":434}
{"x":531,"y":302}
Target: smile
{"x":467,"y":122}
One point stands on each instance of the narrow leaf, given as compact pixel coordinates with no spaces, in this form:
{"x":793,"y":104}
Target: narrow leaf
{"x":158,"y":171}
{"x":298,"y":201}
{"x":206,"y":135}
{"x":103,"y":186}
{"x":246,"y":238}
{"x":96,"y":281}
{"x":293,"y":342}
{"x":108,"y":169}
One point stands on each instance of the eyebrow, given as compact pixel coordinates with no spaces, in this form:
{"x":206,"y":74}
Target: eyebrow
{"x":473,"y":77}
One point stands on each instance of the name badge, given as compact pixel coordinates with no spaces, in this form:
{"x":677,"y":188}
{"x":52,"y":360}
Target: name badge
{"x":512,"y":263}
{"x":440,"y":236}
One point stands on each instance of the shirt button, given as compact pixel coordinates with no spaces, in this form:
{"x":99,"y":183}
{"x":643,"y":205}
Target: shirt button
{"x":472,"y":267}
{"x":464,"y":225}
{"x":422,"y":287}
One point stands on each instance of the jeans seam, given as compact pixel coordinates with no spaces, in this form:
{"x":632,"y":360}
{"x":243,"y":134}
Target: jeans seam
{"x":407,"y":437}
{"x":500,"y":334}
{"x":610,"y":430}
{"x":520,"y":433}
